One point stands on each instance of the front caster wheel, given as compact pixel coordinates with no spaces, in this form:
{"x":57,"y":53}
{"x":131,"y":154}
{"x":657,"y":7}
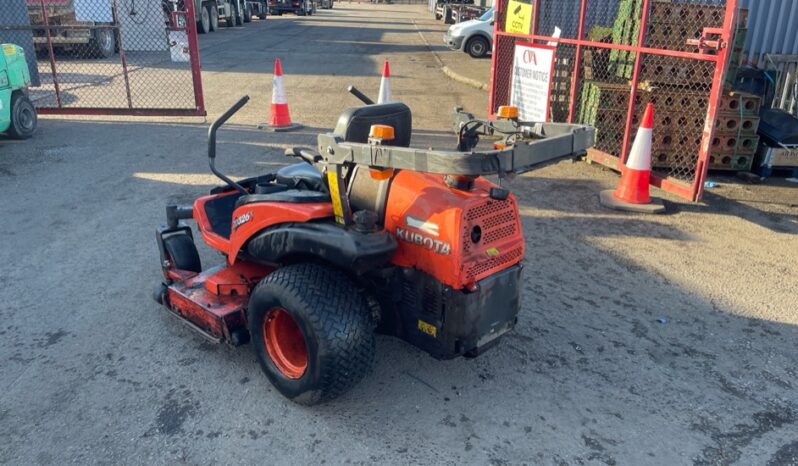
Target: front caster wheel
{"x":182,"y":253}
{"x":312,"y":332}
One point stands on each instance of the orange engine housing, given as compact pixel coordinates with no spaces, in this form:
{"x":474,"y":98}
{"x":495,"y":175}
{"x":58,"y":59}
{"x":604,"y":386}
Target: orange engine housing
{"x":458,"y":237}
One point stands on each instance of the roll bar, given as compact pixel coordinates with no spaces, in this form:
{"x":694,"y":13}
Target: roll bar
{"x":212,"y":143}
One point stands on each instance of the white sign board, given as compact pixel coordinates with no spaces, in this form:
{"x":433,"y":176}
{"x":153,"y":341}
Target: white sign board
{"x":178,"y":46}
{"x":530,"y":91}
{"x":98,"y":11}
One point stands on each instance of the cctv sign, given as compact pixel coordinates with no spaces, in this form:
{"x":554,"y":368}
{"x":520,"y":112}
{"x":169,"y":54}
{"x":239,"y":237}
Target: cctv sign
{"x":533,"y":69}
{"x":519,"y":17}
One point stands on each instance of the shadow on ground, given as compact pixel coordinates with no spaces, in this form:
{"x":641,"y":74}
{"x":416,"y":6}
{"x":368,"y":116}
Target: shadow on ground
{"x":610,"y":363}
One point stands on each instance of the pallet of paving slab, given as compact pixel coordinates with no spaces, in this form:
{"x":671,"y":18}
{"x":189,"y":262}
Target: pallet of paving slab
{"x":668,"y":12}
{"x":731,"y":162}
{"x":740,"y":103}
{"x":730,"y":144}
{"x":662,"y":70}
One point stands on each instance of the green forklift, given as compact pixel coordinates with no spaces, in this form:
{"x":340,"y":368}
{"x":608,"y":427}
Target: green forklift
{"x":17,"y":114}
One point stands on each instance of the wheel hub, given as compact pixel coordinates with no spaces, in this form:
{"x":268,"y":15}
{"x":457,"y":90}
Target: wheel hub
{"x":285,"y":343}
{"x":26,"y":118}
{"x":107,"y":40}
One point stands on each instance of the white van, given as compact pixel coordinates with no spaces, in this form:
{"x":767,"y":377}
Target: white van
{"x":474,"y":37}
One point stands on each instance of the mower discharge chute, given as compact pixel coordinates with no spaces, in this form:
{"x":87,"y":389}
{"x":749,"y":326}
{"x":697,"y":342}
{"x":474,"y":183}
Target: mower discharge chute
{"x":365,"y":234}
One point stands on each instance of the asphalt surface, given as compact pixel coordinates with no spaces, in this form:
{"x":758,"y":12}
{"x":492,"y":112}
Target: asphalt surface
{"x":642,"y":340}
{"x":458,"y":64}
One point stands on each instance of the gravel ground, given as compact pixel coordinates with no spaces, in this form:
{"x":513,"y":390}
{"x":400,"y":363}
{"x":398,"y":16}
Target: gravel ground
{"x":642,"y":340}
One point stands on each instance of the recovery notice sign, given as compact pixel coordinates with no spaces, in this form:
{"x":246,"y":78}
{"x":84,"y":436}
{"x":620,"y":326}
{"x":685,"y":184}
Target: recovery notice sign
{"x":533,"y":68}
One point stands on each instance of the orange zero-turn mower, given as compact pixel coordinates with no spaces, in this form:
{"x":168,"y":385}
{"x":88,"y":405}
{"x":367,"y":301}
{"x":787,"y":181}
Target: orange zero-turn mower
{"x":364,"y":235}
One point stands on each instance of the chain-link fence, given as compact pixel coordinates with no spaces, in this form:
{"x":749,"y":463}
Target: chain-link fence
{"x":615,"y":56}
{"x":135,"y":57}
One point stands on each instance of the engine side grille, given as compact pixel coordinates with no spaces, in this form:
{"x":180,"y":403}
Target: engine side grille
{"x":498,"y":224}
{"x":496,"y":219}
{"x":478,"y":270}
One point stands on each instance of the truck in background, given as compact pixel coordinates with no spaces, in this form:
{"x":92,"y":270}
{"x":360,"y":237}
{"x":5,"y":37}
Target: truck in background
{"x":208,"y":13}
{"x":74,"y":27}
{"x":89,"y":28}
{"x":297,"y":7}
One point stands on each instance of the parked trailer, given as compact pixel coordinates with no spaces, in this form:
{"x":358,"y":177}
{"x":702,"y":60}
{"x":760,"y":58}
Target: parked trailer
{"x":89,"y":27}
{"x":75,"y":25}
{"x":298,"y":7}
{"x":259,"y":8}
{"x":208,"y":13}
{"x":238,"y":12}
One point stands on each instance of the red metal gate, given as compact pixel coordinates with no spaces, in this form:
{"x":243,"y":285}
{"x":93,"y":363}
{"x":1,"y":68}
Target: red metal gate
{"x":615,"y":56}
{"x":115,"y":57}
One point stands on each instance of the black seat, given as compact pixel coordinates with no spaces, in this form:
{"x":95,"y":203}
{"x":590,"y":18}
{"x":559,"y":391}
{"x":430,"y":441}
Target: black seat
{"x":301,"y":176}
{"x":290,"y":195}
{"x":355,"y":123}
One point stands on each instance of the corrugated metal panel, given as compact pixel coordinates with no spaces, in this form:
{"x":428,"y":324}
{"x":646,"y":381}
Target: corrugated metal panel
{"x":772,"y":28}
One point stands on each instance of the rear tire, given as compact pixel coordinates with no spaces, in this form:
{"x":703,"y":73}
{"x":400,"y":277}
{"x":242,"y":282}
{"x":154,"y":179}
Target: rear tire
{"x":239,"y":16}
{"x":230,"y":21}
{"x":477,"y":47}
{"x":214,"y":14}
{"x":312,"y":332}
{"x":182,"y":253}
{"x":204,"y":24}
{"x":23,"y":117}
{"x":102,"y":43}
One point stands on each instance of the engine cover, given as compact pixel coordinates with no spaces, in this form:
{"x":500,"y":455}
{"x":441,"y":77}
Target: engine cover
{"x":458,"y":237}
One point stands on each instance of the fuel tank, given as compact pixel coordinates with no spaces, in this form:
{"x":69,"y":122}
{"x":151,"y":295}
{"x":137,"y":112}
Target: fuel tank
{"x":459,"y":237}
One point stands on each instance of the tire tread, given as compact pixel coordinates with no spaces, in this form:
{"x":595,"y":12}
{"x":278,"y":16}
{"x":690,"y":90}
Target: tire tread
{"x":336,"y":310}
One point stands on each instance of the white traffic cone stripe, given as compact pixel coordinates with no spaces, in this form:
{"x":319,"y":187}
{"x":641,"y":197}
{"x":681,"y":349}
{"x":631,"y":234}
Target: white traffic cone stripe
{"x":385,"y":91}
{"x":385,"y":84}
{"x":278,"y":94}
{"x":640,"y":156}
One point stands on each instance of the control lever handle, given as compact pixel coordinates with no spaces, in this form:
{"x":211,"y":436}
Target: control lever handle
{"x":308,"y":155}
{"x":355,"y":92}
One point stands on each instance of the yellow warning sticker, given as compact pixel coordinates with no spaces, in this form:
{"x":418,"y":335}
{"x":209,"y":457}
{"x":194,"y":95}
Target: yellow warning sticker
{"x":9,"y":49}
{"x":338,"y":209}
{"x":427,"y":328}
{"x":492,"y":252}
{"x":519,"y":17}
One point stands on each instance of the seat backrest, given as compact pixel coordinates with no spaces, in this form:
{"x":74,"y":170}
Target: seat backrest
{"x":354,"y":124}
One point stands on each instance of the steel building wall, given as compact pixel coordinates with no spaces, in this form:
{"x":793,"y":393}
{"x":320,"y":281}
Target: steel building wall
{"x":772,"y":28}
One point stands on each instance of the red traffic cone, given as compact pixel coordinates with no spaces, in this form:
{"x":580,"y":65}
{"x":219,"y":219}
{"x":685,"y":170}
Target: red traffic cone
{"x":385,"y":85}
{"x":632,"y":193}
{"x":280,"y":118}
